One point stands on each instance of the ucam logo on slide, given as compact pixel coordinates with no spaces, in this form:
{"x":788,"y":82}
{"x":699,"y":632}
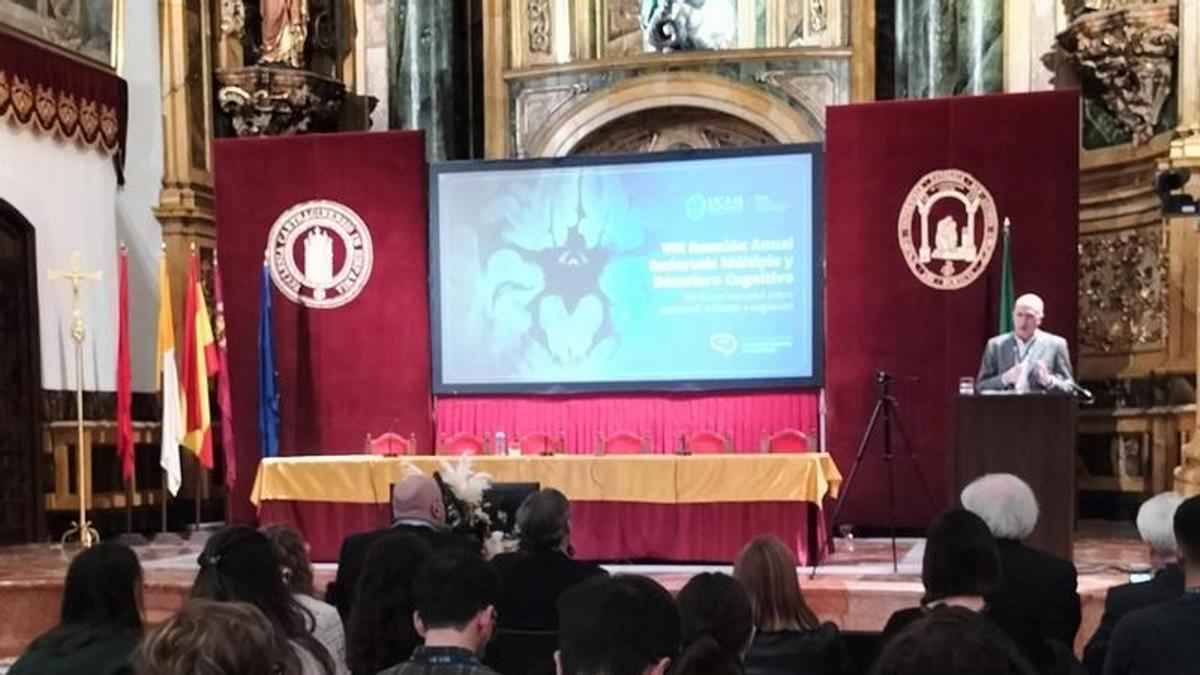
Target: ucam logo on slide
{"x":699,"y":205}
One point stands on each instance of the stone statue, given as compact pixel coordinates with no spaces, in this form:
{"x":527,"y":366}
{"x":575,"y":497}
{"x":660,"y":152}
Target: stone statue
{"x":284,"y":30}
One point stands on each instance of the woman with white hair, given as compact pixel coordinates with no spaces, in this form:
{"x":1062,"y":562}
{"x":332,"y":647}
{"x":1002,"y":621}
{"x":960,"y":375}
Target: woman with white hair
{"x":1037,"y":590}
{"x":1155,"y":524}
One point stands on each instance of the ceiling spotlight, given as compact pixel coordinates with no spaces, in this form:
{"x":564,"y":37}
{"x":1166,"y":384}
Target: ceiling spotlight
{"x":1175,"y":201}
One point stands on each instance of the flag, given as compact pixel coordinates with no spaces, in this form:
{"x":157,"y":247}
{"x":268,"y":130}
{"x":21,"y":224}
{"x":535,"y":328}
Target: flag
{"x":1007,"y":296}
{"x":199,"y":363}
{"x":124,"y":375}
{"x":166,"y":376}
{"x":224,"y":399}
{"x":268,"y":391}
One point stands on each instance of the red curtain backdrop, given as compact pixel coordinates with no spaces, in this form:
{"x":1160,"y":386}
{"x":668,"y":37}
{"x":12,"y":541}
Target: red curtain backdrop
{"x":345,"y":372}
{"x":664,"y":417}
{"x":879,"y":316}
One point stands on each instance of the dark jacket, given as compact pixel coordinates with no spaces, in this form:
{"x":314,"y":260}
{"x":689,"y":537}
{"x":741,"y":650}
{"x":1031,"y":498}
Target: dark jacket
{"x":1166,"y":585}
{"x":340,"y":592}
{"x":70,"y":651}
{"x":811,"y":652}
{"x":531,"y":583}
{"x":1037,"y":591}
{"x":440,"y":661}
{"x":1157,"y":639}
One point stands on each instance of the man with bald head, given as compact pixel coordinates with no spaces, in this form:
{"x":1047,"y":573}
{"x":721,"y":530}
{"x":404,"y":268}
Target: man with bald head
{"x":1028,"y":359}
{"x":417,"y":508}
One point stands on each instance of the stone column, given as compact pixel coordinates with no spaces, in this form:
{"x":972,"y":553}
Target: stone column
{"x":427,"y":87}
{"x":948,"y":47}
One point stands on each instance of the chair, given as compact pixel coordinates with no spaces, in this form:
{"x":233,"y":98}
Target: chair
{"x":787,"y":440}
{"x":540,"y":443}
{"x":462,"y":443}
{"x":391,"y":444}
{"x":623,"y":443}
{"x":706,"y":443}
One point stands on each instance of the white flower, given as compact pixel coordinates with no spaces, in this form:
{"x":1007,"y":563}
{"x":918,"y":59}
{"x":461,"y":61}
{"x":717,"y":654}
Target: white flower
{"x":466,"y":485}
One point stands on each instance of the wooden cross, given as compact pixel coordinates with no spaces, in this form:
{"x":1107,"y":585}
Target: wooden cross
{"x":76,"y":277}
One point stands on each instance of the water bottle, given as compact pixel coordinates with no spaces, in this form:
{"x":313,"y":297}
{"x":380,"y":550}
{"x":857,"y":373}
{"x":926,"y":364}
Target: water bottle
{"x":501,"y":444}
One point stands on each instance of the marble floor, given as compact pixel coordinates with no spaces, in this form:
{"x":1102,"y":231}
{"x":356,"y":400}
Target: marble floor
{"x":856,"y":587}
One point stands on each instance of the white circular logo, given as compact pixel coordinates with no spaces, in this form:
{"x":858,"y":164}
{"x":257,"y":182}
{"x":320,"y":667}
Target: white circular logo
{"x":320,"y":254}
{"x":951,"y":203}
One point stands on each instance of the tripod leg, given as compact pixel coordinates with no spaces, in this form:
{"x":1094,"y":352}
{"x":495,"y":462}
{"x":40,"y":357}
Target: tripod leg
{"x":912,"y":459}
{"x":889,"y":458}
{"x":858,"y":458}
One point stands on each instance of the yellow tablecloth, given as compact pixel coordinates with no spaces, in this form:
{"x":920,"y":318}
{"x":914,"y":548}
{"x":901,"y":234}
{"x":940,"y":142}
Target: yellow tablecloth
{"x":655,"y":479}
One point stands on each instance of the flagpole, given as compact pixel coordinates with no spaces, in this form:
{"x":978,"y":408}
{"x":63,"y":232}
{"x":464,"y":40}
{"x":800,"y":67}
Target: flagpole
{"x":163,"y":489}
{"x":199,"y":488}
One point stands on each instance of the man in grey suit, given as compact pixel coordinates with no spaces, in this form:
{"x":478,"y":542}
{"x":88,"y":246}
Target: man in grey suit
{"x":1026,"y":359}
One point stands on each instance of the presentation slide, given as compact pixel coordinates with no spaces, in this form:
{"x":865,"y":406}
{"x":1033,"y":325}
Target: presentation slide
{"x":676,"y":272}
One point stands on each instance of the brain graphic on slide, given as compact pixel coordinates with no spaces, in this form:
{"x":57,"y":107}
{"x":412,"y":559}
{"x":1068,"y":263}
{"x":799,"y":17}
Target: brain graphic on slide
{"x":559,"y":256}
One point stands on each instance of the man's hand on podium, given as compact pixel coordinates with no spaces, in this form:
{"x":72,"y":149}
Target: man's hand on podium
{"x":1014,"y":374}
{"x":1043,"y":373}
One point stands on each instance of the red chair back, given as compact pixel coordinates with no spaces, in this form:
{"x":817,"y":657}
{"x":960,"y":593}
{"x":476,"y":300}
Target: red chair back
{"x":787,"y":440}
{"x":462,"y":443}
{"x":706,"y":442}
{"x":391,"y":444}
{"x":623,"y":443}
{"x":540,"y":443}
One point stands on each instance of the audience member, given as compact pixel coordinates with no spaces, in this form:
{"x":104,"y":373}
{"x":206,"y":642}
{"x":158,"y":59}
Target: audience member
{"x":417,"y":509}
{"x":961,"y":568}
{"x":1036,"y":589}
{"x":380,"y":630}
{"x":100,"y":621}
{"x":788,"y":639}
{"x":623,"y":625}
{"x":951,"y":640}
{"x":239,"y":564}
{"x":1155,"y":524}
{"x":298,"y":575}
{"x":1162,"y":638}
{"x":534,"y":576}
{"x":456,"y":594}
{"x":215,"y":638}
{"x":717,"y":625}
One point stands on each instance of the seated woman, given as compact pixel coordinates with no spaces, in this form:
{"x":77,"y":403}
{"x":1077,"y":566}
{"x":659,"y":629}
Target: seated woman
{"x":536,"y":574}
{"x":717,"y":623}
{"x":239,"y":564}
{"x":214,"y":638}
{"x":380,"y":632}
{"x":298,"y":574}
{"x":960,"y":568}
{"x":790,"y":640}
{"x":101,"y":620}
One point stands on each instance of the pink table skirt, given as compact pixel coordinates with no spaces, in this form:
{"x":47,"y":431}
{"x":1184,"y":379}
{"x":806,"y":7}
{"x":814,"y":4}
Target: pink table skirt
{"x":609,"y":531}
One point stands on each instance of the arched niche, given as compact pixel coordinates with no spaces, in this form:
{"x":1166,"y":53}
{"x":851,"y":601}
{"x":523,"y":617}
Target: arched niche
{"x":719,"y":96}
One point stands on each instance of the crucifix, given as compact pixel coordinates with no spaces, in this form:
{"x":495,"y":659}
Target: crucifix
{"x":76,"y":277}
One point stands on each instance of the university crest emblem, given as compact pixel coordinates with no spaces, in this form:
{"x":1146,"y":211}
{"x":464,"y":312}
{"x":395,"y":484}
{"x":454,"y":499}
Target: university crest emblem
{"x":320,"y":254}
{"x":948,"y":229}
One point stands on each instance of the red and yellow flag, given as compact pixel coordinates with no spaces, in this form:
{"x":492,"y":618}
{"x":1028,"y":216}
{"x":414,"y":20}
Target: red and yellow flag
{"x":199,"y":363}
{"x":124,"y":369}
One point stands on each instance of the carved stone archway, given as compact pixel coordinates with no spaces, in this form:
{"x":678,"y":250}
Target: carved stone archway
{"x":674,"y":90}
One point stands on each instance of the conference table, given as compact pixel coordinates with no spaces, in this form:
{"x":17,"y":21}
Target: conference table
{"x":687,"y":508}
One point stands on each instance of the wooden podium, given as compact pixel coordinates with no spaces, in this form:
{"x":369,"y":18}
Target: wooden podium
{"x":1031,"y":436}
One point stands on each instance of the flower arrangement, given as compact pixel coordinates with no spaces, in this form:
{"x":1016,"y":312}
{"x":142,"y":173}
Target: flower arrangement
{"x":467,"y":508}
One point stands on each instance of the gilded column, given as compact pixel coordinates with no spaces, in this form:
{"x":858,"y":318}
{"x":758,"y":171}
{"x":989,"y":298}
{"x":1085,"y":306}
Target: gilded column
{"x":948,"y":47}
{"x":428,"y":75}
{"x":185,"y":204}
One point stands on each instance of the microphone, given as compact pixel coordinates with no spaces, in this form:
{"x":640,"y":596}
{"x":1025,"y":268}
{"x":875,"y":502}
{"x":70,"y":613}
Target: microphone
{"x":1082,"y":393}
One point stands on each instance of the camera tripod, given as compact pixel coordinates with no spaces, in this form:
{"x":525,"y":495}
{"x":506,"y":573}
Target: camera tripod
{"x":887,"y":411}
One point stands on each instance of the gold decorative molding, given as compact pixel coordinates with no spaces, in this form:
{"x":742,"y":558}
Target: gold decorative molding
{"x":1123,"y":288}
{"x":814,"y":91}
{"x":663,"y":129}
{"x":229,"y":40}
{"x":535,"y":107}
{"x":692,"y":59}
{"x":1129,"y":53}
{"x":672,"y":89}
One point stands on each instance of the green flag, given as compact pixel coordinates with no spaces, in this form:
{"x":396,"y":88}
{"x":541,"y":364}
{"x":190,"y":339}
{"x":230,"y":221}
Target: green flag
{"x":1007,"y":297}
